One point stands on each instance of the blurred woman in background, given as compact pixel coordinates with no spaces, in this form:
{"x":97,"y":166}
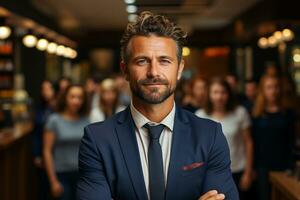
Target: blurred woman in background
{"x":198,"y":94}
{"x":63,"y":132}
{"x":44,"y":109}
{"x":109,"y":102}
{"x":273,"y":133}
{"x":235,"y":121}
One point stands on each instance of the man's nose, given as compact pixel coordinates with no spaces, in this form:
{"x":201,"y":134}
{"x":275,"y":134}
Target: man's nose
{"x":153,"y":69}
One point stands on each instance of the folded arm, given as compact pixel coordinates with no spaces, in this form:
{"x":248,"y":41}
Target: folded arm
{"x":92,"y":184}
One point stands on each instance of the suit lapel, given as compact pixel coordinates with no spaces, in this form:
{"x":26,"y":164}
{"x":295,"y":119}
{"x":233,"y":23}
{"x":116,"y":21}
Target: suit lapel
{"x":179,"y":150}
{"x":127,"y":139}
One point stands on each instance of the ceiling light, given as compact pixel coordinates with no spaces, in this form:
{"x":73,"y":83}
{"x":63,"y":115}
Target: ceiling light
{"x":42,"y":44}
{"x":296,"y":58}
{"x":52,"y":48}
{"x":60,"y":50}
{"x":131,"y":9}
{"x":272,"y":41}
{"x":186,"y":51}
{"x":29,"y":41}
{"x":129,"y":1}
{"x":278,"y":36}
{"x":287,"y":35}
{"x":132,"y":17}
{"x":74,"y":54}
{"x":68,"y":52}
{"x":5,"y":32}
{"x":263,"y":43}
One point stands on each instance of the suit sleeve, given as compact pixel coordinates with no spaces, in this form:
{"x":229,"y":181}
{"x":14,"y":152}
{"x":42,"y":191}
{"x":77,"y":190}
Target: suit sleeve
{"x":92,"y":183}
{"x":219,"y":176}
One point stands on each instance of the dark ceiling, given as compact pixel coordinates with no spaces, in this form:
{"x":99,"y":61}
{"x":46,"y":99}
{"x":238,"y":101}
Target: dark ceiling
{"x":99,"y":23}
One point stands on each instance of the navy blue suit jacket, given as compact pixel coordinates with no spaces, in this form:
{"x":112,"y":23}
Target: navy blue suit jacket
{"x":110,"y":166}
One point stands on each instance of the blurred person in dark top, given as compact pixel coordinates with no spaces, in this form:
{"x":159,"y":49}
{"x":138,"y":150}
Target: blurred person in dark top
{"x":222,"y":107}
{"x":273,"y":133}
{"x":233,"y":81}
{"x":43,"y":110}
{"x":108,"y":102}
{"x":63,"y":131}
{"x":91,"y":88}
{"x":291,"y":101}
{"x":198,"y":94}
{"x":250,"y":94}
{"x":184,"y":92}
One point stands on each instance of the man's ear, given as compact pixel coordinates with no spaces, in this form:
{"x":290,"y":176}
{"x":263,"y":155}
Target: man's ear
{"x":124,"y":69}
{"x":180,"y":69}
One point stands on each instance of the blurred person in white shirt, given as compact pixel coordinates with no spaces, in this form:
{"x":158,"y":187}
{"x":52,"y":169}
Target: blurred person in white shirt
{"x":235,"y":121}
{"x":108,"y":102}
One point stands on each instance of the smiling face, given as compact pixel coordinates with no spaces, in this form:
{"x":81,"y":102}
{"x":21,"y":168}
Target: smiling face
{"x":153,"y":68}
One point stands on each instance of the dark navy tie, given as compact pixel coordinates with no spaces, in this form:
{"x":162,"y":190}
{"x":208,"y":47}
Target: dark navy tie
{"x":156,"y":170}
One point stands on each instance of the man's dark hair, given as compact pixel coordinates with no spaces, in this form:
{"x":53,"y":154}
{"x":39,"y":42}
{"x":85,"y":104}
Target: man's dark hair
{"x":148,"y":24}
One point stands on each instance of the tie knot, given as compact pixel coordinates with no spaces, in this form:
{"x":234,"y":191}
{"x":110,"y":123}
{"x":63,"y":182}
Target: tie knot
{"x":154,"y":131}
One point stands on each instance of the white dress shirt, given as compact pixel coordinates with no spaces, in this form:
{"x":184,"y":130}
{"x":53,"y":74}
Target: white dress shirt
{"x":143,"y":140}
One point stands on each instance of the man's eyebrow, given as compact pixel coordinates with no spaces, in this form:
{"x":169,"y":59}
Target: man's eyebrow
{"x":140,"y":57}
{"x":166,"y":57}
{"x":159,"y":57}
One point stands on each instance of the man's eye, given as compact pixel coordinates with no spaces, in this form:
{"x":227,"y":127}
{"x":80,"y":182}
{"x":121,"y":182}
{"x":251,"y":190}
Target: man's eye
{"x":142,"y":62}
{"x":165,"y":62}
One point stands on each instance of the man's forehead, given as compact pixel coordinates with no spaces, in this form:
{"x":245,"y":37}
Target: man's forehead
{"x":156,"y":44}
{"x":153,"y":40}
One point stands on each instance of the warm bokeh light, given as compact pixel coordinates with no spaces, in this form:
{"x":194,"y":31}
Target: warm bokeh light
{"x":129,"y":1}
{"x":263,"y":43}
{"x":278,"y":36}
{"x":67,"y":52}
{"x":74,"y":54}
{"x":296,"y":58}
{"x":131,"y":9}
{"x":5,"y":32}
{"x":132,"y":17}
{"x":42,"y":44}
{"x":29,"y":41}
{"x":60,"y":50}
{"x":287,"y":35}
{"x":52,"y":48}
{"x":272,"y":41}
{"x":186,"y":51}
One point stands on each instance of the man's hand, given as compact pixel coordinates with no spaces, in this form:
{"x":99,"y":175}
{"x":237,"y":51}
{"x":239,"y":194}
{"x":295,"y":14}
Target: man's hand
{"x":212,"y":195}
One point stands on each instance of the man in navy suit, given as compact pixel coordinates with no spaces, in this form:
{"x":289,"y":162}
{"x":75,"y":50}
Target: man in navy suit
{"x":154,"y":149}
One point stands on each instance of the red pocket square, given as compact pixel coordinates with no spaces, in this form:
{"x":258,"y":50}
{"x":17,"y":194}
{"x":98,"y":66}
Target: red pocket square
{"x":192,"y":166}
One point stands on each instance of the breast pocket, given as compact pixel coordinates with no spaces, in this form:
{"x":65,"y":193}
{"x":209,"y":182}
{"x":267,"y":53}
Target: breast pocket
{"x":197,"y":170}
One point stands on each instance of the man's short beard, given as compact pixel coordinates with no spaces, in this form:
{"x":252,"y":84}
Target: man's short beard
{"x":152,"y":99}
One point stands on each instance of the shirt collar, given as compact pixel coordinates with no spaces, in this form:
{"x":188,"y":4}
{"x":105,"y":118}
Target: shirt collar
{"x":140,"y":120}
